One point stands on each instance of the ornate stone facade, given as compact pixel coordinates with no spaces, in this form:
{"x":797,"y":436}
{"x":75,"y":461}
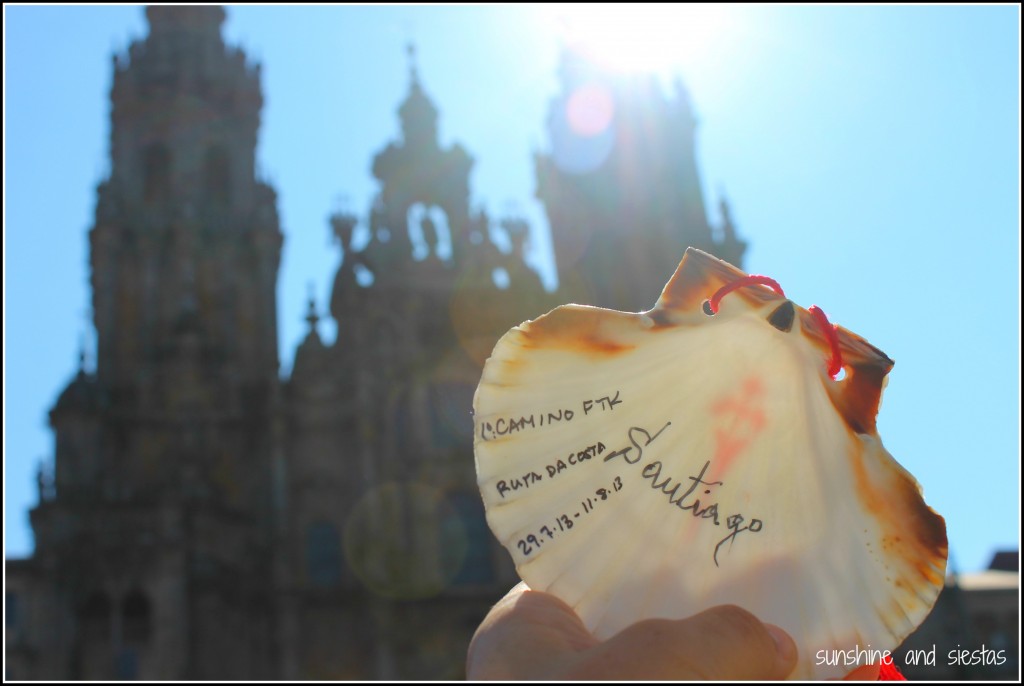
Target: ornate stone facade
{"x":155,"y":537}
{"x":386,"y":535}
{"x":207,"y":519}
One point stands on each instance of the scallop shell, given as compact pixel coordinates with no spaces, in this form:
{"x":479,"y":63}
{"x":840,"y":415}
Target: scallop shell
{"x":659,"y":463}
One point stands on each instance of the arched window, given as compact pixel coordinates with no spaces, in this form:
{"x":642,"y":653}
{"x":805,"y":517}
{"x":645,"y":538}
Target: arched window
{"x":323,"y":554}
{"x":428,"y":231}
{"x":477,"y":567}
{"x":217,"y":175}
{"x":136,"y":617}
{"x":156,"y":173}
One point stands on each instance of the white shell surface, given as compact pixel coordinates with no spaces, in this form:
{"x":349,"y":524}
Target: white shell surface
{"x":657,"y":464}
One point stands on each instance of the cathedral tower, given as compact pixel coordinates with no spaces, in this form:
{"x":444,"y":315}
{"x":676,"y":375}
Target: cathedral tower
{"x":388,"y":542}
{"x":620,"y":186}
{"x":161,"y":499}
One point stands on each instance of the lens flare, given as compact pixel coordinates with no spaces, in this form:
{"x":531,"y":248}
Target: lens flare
{"x":640,"y":37}
{"x":404,"y":540}
{"x":589,"y":109}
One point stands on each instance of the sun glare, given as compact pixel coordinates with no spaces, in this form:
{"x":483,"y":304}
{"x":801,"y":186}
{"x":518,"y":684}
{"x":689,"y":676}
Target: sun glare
{"x":640,"y":37}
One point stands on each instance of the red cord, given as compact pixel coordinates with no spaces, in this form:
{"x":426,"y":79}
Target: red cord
{"x":836,"y":363}
{"x":740,"y":283}
{"x":890,"y":672}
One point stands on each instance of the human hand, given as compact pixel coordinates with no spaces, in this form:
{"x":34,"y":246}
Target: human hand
{"x":534,"y":635}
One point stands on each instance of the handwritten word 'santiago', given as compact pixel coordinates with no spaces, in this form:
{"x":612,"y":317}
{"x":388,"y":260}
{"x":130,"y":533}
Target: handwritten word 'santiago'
{"x":503,"y":426}
{"x":640,"y":438}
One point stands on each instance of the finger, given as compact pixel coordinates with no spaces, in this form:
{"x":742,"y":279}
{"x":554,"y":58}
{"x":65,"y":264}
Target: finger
{"x":725,"y":643}
{"x":527,"y":634}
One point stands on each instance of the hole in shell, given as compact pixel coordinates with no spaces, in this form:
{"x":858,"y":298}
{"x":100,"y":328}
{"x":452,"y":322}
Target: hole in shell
{"x":841,"y":375}
{"x":782,"y":317}
{"x":707,"y":308}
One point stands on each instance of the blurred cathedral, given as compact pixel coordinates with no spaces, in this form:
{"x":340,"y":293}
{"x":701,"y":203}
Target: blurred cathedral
{"x":205,"y":518}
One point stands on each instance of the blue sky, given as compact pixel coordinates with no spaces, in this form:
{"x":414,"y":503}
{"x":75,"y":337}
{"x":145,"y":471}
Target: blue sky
{"x":871,"y":156}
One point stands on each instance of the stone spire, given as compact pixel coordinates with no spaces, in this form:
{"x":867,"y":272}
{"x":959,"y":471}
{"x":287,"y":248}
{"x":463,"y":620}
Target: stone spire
{"x":417,"y":112}
{"x":196,"y":19}
{"x":312,"y":318}
{"x":182,"y":190}
{"x":177,"y":425}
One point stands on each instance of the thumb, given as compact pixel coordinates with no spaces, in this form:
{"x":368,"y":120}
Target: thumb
{"x":724,"y":643}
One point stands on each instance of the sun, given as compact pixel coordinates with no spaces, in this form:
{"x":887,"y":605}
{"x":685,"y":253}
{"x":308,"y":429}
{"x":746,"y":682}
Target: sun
{"x":641,"y":37}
